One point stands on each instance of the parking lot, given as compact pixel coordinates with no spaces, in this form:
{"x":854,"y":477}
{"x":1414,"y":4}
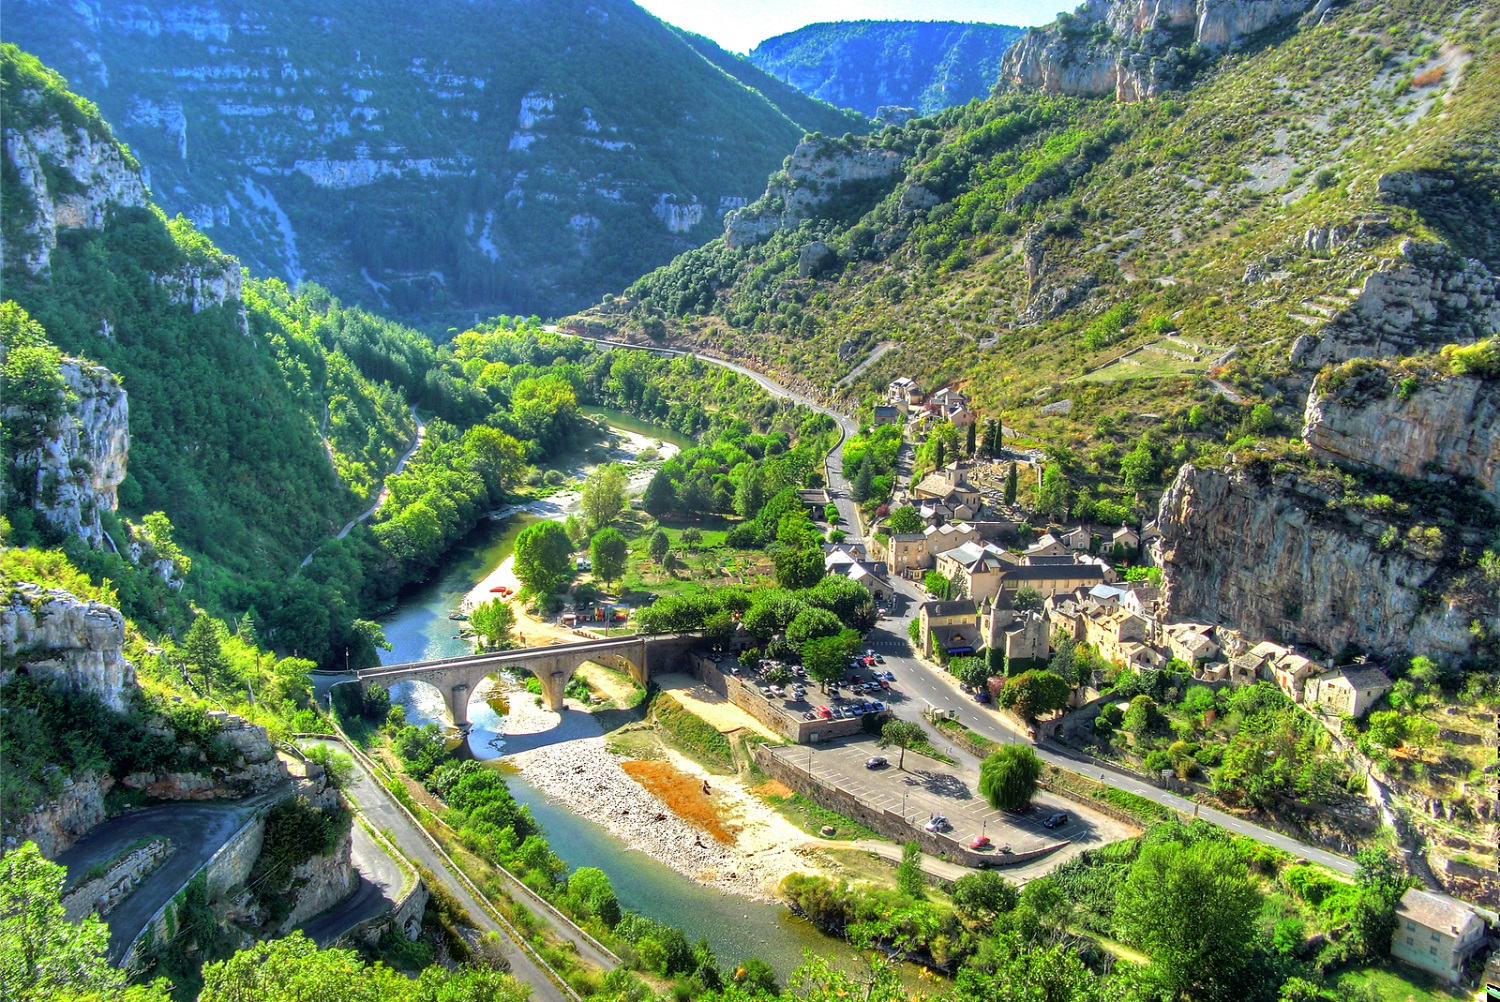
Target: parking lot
{"x":803,"y":699}
{"x":925,"y":788}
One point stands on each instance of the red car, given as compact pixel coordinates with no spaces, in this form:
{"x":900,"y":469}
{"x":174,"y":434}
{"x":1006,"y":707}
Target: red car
{"x":825,"y":712}
{"x":979,"y":842}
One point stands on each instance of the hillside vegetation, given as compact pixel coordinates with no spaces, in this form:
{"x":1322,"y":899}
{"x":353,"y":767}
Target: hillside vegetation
{"x":1141,"y":271}
{"x":924,"y":66}
{"x":435,"y":160}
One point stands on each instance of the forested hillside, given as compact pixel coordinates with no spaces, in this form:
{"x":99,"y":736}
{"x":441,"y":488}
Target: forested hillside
{"x":925,"y":66}
{"x":1133,"y":284}
{"x":439,"y":160}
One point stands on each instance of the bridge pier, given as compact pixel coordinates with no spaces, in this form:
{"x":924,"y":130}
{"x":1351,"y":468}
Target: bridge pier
{"x":553,"y":684}
{"x":458,"y":705}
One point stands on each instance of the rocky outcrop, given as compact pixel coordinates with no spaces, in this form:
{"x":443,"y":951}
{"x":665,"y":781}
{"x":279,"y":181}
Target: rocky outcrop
{"x":68,"y":177}
{"x":200,"y":286}
{"x":244,"y":762}
{"x":52,"y":634}
{"x":79,"y":458}
{"x":1134,"y":49}
{"x":1276,"y":550}
{"x":1426,"y":297}
{"x":816,"y":172}
{"x":57,"y":825}
{"x":1411,"y":422}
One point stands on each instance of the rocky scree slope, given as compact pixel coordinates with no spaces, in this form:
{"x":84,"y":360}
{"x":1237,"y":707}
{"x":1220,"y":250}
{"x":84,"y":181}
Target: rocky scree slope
{"x":1127,"y":261}
{"x":889,"y":69}
{"x":457,"y":157}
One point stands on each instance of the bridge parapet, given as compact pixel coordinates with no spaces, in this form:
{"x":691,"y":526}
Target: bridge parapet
{"x":639,"y":655}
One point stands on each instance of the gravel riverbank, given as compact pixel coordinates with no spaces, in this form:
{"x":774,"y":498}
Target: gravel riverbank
{"x":565,"y":757}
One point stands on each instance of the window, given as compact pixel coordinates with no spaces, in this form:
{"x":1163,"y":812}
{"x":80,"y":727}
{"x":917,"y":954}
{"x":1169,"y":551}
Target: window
{"x":1432,"y":950}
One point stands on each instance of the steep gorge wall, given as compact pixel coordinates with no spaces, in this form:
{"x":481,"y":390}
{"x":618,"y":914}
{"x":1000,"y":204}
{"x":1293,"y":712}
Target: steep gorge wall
{"x":1279,"y":555}
{"x":1134,"y":49}
{"x":817,"y":171}
{"x":1415,"y":424}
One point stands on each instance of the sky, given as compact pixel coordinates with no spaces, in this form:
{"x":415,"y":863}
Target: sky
{"x":738,"y":25}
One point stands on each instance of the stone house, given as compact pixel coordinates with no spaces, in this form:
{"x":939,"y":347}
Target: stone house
{"x":1141,"y":598}
{"x":904,"y":551}
{"x":1048,"y":546}
{"x":1192,"y":642}
{"x":1439,"y":935}
{"x":904,"y":394}
{"x":1350,"y":691}
{"x":975,"y":567}
{"x":1078,"y":539}
{"x":952,"y":626}
{"x":1125,"y":539}
{"x":1050,"y":579}
{"x":1021,"y":636}
{"x":948,"y":485}
{"x":941,"y":512}
{"x":885,"y":414}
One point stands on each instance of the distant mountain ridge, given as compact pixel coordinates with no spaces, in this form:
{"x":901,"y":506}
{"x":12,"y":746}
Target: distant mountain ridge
{"x":867,"y":65}
{"x":457,"y":158}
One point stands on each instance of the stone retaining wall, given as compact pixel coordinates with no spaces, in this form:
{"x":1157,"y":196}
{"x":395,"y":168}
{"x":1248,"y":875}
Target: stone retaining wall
{"x":887,"y":823}
{"x":788,"y":725}
{"x":100,"y":895}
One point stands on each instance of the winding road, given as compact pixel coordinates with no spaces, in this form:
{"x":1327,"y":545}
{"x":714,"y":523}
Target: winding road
{"x":385,"y":491}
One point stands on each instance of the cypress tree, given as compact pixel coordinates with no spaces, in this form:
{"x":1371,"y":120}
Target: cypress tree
{"x":969,"y":443}
{"x":1010,"y":485}
{"x":938,"y":456}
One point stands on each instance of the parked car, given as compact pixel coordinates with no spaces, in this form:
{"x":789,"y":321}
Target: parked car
{"x":979,"y":842}
{"x":825,"y":713}
{"x":981,"y":696}
{"x":809,"y":716}
{"x":877,"y":762}
{"x":937,"y":824}
{"x":879,"y":707}
{"x":1056,"y":820}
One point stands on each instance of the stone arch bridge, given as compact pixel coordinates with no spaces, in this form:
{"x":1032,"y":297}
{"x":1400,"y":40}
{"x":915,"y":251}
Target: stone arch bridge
{"x":639,"y":656}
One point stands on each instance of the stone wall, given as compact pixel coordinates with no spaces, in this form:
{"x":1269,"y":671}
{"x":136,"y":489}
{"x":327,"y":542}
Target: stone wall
{"x":887,"y":823}
{"x":788,"y":725}
{"x":100,"y":895}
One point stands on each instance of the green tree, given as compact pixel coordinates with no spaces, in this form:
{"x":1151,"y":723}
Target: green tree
{"x":203,"y":648}
{"x":659,"y":544}
{"x":603,"y":495}
{"x":905,"y":520}
{"x":1142,"y":715}
{"x":984,"y":895}
{"x":1009,"y":775}
{"x":970,"y":439}
{"x":1027,"y":599}
{"x":609,"y":552}
{"x":42,"y":955}
{"x":939,"y":586}
{"x":494,"y":621}
{"x":1012,"y":479}
{"x":909,"y":880}
{"x":1054,"y":494}
{"x":1138,"y":468}
{"x":1381,"y":881}
{"x":750,"y":494}
{"x":1064,"y":663}
{"x":660,"y":496}
{"x":593,"y":895}
{"x":718,"y":630}
{"x":1193,"y":910}
{"x":543,"y":557}
{"x":1034,"y":694}
{"x":938,"y":455}
{"x":861,"y":489}
{"x":903,"y":734}
{"x":798,"y":568}
{"x":973,"y":672}
{"x":811,"y":624}
{"x":827,"y":658}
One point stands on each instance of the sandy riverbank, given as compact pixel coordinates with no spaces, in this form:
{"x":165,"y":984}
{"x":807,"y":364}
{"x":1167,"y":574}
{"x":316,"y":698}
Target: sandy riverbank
{"x":565,"y":756}
{"x":626,"y":447}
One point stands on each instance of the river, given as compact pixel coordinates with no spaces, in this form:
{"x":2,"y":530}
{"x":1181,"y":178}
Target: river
{"x":735,"y":927}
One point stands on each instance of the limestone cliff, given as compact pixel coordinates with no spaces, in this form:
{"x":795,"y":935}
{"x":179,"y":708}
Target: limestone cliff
{"x":1134,"y":49}
{"x":50,"y":633}
{"x":78,"y":459}
{"x":817,"y":172}
{"x":1425,"y":297}
{"x":68,"y":174}
{"x":1409,"y":419}
{"x":1286,"y":550}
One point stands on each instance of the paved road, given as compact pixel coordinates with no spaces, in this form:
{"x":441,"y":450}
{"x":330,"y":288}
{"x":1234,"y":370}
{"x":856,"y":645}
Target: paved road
{"x":380,"y":883}
{"x":922,"y":685}
{"x":385,"y":491}
{"x":195,"y":829}
{"x":383,"y":813}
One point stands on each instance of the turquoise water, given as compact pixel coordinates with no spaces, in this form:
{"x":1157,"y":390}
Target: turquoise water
{"x":627,"y":422}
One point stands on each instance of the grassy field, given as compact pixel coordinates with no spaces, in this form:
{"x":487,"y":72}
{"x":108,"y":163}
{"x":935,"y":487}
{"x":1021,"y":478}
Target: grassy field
{"x":811,"y":818}
{"x":1398,"y":983}
{"x":1148,"y":364}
